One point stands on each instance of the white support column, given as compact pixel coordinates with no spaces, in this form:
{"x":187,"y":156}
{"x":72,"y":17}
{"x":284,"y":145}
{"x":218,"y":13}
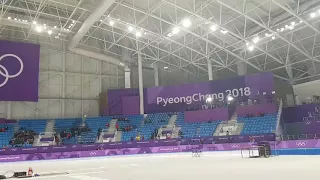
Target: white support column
{"x":9,"y":110}
{"x":242,"y":68}
{"x":156,"y":75}
{"x":140,"y":79}
{"x":127,"y":77}
{"x":63,"y":84}
{"x":209,"y":62}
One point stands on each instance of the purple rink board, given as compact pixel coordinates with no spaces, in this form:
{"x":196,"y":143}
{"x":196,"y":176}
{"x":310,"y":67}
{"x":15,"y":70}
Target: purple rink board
{"x":314,"y":143}
{"x":192,"y":96}
{"x":137,"y":144}
{"x":20,"y":71}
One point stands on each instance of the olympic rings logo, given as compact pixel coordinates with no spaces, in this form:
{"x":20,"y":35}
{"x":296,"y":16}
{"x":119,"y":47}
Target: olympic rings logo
{"x":93,"y":153}
{"x":301,"y":143}
{"x":235,"y":146}
{"x":4,"y":72}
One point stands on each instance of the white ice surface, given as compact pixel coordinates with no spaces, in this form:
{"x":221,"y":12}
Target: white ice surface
{"x":181,"y":166}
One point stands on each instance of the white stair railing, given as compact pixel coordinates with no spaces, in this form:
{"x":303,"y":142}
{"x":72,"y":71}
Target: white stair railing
{"x":278,"y":129}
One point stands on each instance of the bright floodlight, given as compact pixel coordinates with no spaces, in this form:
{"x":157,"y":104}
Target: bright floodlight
{"x":111,"y":23}
{"x":9,"y":17}
{"x":293,"y":23}
{"x":34,"y":22}
{"x":138,"y":34}
{"x":230,"y":98}
{"x":250,"y":48}
{"x":39,"y":29}
{"x":273,"y":37}
{"x":186,"y":23}
{"x":213,"y":28}
{"x":49,"y":32}
{"x":130,"y":28}
{"x":209,"y":99}
{"x":145,"y":33}
{"x":224,"y":31}
{"x":170,"y":34}
{"x":312,"y":15}
{"x":175,"y":30}
{"x":165,"y":67}
{"x":256,"y":40}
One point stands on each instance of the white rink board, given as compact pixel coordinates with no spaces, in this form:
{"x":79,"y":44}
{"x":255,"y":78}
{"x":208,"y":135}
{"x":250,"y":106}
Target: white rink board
{"x":180,"y":166}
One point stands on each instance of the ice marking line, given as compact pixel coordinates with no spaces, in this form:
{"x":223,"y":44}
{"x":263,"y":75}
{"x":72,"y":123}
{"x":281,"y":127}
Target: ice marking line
{"x":87,"y":178}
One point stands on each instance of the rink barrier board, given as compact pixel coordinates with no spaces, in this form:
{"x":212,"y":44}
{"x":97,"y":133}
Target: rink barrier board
{"x":280,"y":148}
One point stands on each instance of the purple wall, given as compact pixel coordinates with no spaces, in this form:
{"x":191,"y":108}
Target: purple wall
{"x":131,"y":105}
{"x":7,"y":121}
{"x":307,"y":127}
{"x":20,"y":68}
{"x":299,"y":113}
{"x":206,"y":115}
{"x":192,"y":96}
{"x":264,"y":108}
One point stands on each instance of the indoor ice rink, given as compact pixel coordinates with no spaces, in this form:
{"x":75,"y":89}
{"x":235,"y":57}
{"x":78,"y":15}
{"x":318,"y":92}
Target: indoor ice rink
{"x":224,"y":165}
{"x":131,"y":89}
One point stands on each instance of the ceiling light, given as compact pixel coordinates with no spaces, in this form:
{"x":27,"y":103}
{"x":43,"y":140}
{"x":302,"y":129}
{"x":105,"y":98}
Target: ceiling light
{"x":9,"y":17}
{"x":273,"y":37}
{"x":175,"y":30}
{"x":224,"y":31}
{"x":39,"y":29}
{"x":213,"y":28}
{"x":100,"y":20}
{"x":256,"y":40}
{"x":207,"y":22}
{"x":49,"y":32}
{"x":59,"y":34}
{"x":34,"y":22}
{"x":15,"y":19}
{"x":130,"y":28}
{"x":55,"y":27}
{"x":44,"y":27}
{"x":44,"y":24}
{"x":300,"y":21}
{"x":186,"y":23}
{"x":170,"y":34}
{"x":56,"y":37}
{"x":278,"y":29}
{"x":73,"y":21}
{"x":165,"y":67}
{"x":282,"y":29}
{"x":250,"y":48}
{"x":68,"y":29}
{"x":312,"y":15}
{"x":266,"y":34}
{"x":291,"y":27}
{"x":111,"y":23}
{"x":293,"y":23}
{"x":247,"y":44}
{"x":138,"y":34}
{"x":145,"y":33}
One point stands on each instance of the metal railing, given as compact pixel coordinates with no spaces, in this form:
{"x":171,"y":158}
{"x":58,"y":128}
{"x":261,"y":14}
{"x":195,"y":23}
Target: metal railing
{"x":299,"y":137}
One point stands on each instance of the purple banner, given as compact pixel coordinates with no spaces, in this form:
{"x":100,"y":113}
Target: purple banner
{"x":302,"y":144}
{"x":307,"y":127}
{"x":264,"y":108}
{"x":192,"y":96}
{"x":137,"y":144}
{"x":19,"y":64}
{"x":301,"y":113}
{"x":206,"y":115}
{"x":130,"y":105}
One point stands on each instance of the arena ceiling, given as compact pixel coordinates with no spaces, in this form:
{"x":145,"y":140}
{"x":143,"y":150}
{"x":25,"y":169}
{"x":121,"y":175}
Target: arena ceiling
{"x":281,"y":36}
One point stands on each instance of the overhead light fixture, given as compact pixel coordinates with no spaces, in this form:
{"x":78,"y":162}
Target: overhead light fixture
{"x":15,"y":19}
{"x":170,"y":34}
{"x":39,"y":29}
{"x":291,"y":27}
{"x":278,"y":29}
{"x":213,"y":28}
{"x":209,"y":99}
{"x":111,"y":23}
{"x":34,"y":22}
{"x":73,"y":21}
{"x":145,"y":33}
{"x":207,"y":22}
{"x":312,"y":15}
{"x":229,"y":98}
{"x":9,"y":17}
{"x":55,"y":27}
{"x":282,"y":29}
{"x":175,"y":30}
{"x":186,"y":23}
{"x":255,"y":40}
{"x":45,"y":27}
{"x":49,"y":32}
{"x":130,"y":28}
{"x":293,"y":23}
{"x":273,"y":37}
{"x":138,"y":34}
{"x":165,"y":67}
{"x":224,"y":31}
{"x":250,"y":48}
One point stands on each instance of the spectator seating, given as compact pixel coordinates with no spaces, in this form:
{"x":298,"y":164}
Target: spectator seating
{"x":37,"y":126}
{"x":6,"y":136}
{"x":259,"y":125}
{"x":207,"y":129}
{"x":188,"y":129}
{"x":65,"y":124}
{"x":133,"y":120}
{"x":157,"y":120}
{"x":94,"y":124}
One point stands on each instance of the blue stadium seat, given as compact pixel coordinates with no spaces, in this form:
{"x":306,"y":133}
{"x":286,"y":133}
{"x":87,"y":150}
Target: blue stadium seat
{"x":259,"y":125}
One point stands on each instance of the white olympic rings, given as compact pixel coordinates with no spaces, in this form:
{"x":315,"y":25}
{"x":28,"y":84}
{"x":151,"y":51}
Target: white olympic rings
{"x":4,"y":72}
